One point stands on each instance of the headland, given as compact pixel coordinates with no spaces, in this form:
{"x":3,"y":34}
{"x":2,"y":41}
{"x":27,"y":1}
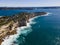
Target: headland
{"x":9,"y":24}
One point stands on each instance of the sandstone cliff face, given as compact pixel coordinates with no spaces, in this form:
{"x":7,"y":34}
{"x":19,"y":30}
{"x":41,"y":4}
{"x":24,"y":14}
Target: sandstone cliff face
{"x":8,"y":24}
{"x":8,"y":29}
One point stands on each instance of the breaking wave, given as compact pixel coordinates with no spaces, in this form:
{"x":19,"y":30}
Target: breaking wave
{"x":24,"y":30}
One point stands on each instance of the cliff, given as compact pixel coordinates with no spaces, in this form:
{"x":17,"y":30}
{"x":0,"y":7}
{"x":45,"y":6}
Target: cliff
{"x":8,"y":24}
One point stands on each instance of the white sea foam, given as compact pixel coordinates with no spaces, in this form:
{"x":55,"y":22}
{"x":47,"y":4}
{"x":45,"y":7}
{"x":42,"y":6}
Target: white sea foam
{"x":9,"y":40}
{"x":20,"y":30}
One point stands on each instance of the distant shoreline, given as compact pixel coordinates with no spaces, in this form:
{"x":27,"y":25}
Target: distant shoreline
{"x":29,"y":8}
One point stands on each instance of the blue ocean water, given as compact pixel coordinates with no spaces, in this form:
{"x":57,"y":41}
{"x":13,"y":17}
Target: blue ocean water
{"x":46,"y":30}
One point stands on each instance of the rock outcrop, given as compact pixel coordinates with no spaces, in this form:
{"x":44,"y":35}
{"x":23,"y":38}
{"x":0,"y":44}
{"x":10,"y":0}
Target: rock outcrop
{"x":8,"y":24}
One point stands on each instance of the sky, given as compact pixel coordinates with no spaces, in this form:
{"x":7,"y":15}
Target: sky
{"x":29,"y":3}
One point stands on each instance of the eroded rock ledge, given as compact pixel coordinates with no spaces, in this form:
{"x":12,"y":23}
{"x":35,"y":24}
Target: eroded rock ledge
{"x":8,"y":24}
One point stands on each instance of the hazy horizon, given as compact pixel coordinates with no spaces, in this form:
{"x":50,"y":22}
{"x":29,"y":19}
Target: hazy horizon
{"x":29,"y":3}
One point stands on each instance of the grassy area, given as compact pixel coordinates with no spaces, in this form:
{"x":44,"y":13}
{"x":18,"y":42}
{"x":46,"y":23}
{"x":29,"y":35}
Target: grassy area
{"x":6,"y":19}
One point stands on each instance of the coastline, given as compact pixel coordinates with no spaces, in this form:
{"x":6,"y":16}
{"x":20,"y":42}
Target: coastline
{"x":13,"y":33}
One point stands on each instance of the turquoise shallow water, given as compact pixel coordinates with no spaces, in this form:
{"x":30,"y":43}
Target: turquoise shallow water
{"x":46,"y":30}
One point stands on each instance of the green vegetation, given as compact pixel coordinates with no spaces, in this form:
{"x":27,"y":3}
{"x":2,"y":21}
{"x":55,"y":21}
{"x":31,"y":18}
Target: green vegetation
{"x":19,"y":17}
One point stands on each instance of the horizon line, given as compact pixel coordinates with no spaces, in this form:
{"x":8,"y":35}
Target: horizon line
{"x":29,"y":6}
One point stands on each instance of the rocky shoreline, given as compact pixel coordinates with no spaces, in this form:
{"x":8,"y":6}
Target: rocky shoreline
{"x":9,"y":24}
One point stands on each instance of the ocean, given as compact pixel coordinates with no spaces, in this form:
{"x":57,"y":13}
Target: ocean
{"x":41,"y":30}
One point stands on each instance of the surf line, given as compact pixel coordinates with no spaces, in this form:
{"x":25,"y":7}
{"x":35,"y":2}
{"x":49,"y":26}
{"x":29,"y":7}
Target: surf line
{"x":9,"y":40}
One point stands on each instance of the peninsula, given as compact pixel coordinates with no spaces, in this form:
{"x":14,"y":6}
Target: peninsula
{"x":9,"y":24}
